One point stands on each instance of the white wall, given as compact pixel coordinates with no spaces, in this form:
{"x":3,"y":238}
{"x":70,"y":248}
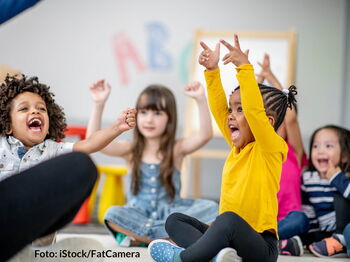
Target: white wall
{"x":69,"y":44}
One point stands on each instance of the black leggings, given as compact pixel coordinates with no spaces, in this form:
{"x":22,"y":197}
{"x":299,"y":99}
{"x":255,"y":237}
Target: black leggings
{"x":203,"y":242}
{"x":42,"y":200}
{"x":342,"y":212}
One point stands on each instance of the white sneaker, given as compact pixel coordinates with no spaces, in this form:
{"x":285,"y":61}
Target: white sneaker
{"x":227,"y":254}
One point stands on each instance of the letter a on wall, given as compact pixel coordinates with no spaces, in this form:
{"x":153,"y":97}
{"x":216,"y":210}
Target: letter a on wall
{"x":125,"y":51}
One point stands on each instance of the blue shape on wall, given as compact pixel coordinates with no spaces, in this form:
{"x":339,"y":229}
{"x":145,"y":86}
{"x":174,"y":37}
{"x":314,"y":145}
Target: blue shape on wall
{"x":158,"y":57}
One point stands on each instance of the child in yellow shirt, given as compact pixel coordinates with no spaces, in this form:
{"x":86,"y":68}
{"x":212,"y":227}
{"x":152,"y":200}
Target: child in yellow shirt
{"x":247,"y":223}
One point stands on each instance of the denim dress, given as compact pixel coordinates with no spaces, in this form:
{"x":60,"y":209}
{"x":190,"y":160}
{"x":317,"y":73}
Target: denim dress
{"x":145,"y":213}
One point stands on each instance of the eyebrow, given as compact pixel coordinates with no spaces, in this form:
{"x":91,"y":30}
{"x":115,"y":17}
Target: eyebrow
{"x":26,"y":102}
{"x":235,"y":103}
{"x":327,"y":141}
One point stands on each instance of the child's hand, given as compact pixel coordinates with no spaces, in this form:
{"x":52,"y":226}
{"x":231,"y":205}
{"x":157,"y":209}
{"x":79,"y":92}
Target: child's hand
{"x":332,"y":169}
{"x":265,"y":69}
{"x":126,"y":119}
{"x":194,"y":90}
{"x":235,"y":55}
{"x":100,"y":91}
{"x":209,"y":58}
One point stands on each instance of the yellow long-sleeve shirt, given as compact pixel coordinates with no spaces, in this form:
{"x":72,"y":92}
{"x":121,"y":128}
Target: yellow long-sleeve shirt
{"x":250,"y":178}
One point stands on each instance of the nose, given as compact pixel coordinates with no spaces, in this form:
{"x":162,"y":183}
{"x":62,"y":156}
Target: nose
{"x":231,"y":117}
{"x":149,"y":117}
{"x":35,"y":111}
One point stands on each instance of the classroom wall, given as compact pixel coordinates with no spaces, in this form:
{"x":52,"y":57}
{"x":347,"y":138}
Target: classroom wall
{"x":346,"y":86}
{"x":70,"y":44}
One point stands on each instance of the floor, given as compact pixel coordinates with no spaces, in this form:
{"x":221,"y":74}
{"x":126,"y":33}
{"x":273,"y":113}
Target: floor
{"x":71,"y":242}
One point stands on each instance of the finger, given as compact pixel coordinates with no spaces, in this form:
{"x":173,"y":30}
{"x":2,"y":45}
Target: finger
{"x":226,"y":57}
{"x":204,"y":46}
{"x":217,"y":48}
{"x":246,"y":52}
{"x":226,"y":61}
{"x":236,"y":40}
{"x":228,"y":46}
{"x":260,"y":64}
{"x":331,"y":164}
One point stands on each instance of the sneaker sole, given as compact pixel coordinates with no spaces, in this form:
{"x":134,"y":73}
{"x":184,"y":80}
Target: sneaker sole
{"x":228,"y":254}
{"x":340,"y":255}
{"x":154,"y":242}
{"x":300,"y":245}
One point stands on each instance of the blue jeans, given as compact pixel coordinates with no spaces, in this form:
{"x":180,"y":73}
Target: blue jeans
{"x":295,"y":223}
{"x":346,"y":234}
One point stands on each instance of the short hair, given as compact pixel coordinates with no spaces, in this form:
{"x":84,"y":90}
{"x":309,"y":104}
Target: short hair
{"x":18,"y":84}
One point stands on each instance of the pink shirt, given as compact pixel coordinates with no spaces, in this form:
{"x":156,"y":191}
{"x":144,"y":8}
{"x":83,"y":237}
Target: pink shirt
{"x":289,"y":197}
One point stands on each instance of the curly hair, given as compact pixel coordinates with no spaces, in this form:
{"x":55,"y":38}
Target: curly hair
{"x":15,"y":85}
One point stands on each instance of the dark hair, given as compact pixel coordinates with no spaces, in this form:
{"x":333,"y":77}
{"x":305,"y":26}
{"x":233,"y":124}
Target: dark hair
{"x":160,"y":98}
{"x":277,"y":101}
{"x":15,"y":85}
{"x":344,"y":142}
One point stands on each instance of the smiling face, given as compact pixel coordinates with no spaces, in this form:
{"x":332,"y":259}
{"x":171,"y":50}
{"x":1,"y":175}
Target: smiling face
{"x":151,"y":123}
{"x":325,"y":149}
{"x":29,"y":119}
{"x":241,"y":135}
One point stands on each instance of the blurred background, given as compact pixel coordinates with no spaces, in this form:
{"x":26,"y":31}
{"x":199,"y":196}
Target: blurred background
{"x":70,"y":44}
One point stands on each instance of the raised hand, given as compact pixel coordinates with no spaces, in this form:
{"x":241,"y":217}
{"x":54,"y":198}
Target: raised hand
{"x":194,"y":90}
{"x":126,"y":119}
{"x":332,"y":169}
{"x":209,"y":58}
{"x":265,"y":69}
{"x":100,"y":91}
{"x":235,"y":54}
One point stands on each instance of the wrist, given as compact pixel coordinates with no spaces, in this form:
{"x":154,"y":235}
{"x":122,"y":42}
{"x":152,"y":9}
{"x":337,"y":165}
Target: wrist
{"x":200,"y":99}
{"x":212,"y":68}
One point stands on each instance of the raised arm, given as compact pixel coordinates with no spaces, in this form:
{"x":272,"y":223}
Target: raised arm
{"x":100,"y":91}
{"x":291,"y":123}
{"x":216,"y":94}
{"x":267,"y":74}
{"x":251,"y":98}
{"x":101,"y":138}
{"x":205,"y":133}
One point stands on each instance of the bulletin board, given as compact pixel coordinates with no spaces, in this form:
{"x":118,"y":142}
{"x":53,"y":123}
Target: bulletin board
{"x":281,"y":47}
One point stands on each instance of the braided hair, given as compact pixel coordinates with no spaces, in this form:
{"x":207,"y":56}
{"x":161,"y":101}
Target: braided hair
{"x":277,"y":101}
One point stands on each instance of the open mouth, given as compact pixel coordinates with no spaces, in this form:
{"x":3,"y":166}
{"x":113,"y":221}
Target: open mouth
{"x":234,"y":131}
{"x":322,"y":162}
{"x":35,"y":124}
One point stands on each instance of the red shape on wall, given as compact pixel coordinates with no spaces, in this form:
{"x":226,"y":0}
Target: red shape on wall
{"x":124,"y":52}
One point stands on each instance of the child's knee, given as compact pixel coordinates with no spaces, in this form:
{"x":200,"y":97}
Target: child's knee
{"x":85,"y":167}
{"x":228,"y":219}
{"x":172,"y":221}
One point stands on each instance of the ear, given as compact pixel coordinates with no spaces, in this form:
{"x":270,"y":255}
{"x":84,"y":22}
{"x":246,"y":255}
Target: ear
{"x":271,"y":120}
{"x":9,"y":131}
